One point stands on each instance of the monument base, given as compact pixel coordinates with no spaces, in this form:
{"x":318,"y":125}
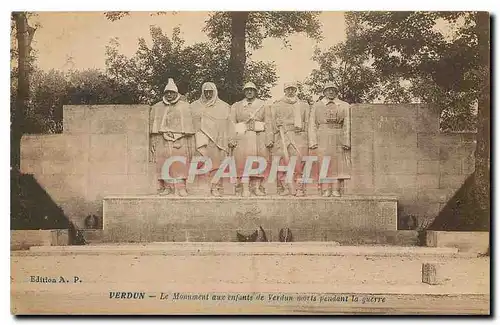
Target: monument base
{"x":202,"y":219}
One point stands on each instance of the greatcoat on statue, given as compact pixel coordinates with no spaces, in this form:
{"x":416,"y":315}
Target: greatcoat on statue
{"x":291,"y":120}
{"x":213,"y":130}
{"x":172,"y":134}
{"x":330,"y":132}
{"x":253,"y":135}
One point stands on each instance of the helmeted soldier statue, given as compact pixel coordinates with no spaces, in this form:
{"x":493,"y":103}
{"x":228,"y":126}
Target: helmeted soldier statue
{"x":291,"y":119}
{"x":253,"y":137}
{"x":330,"y":135}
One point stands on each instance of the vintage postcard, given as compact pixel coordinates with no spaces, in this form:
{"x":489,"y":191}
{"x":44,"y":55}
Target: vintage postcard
{"x":250,"y":162}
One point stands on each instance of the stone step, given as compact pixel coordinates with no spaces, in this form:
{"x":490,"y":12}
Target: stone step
{"x":157,"y":218}
{"x":92,"y":235}
{"x":344,"y":237}
{"x":228,"y":248}
{"x":465,"y":241}
{"x":24,"y":239}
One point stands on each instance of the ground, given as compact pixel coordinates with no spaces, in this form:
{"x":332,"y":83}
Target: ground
{"x":397,"y":278}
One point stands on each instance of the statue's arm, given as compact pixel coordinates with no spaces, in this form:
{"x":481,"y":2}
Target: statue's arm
{"x":152,"y":136}
{"x":269,"y":127}
{"x":231,"y":122}
{"x":347,"y":126}
{"x":312,"y":128}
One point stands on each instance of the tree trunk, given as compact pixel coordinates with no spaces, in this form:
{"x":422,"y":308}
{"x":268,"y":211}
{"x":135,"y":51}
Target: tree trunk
{"x":482,"y":154}
{"x":237,"y":58}
{"x":24,"y":36}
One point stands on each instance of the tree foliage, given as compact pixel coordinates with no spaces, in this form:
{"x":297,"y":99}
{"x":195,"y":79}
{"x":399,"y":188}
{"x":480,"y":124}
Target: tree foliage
{"x":263,"y":24}
{"x":50,"y":90}
{"x":355,"y":81}
{"x":149,"y":68}
{"x":236,"y":30}
{"x":399,"y":57}
{"x":440,"y":58}
{"x":436,"y":53}
{"x":229,"y":33}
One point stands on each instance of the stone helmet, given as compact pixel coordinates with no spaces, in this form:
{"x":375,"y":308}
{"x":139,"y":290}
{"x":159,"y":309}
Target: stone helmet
{"x":171,"y":86}
{"x":291,"y":85}
{"x":329,"y":85}
{"x":250,"y":85}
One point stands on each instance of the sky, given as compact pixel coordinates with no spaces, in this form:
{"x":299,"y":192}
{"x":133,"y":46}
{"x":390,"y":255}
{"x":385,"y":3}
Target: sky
{"x":77,"y":40}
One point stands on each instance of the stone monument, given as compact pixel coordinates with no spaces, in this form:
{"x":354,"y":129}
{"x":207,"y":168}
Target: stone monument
{"x":251,"y":145}
{"x":102,"y":165}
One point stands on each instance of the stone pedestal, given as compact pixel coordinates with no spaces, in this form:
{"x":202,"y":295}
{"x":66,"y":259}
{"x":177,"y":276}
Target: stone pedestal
{"x":466,"y":241}
{"x":156,"y":218}
{"x":24,"y":239}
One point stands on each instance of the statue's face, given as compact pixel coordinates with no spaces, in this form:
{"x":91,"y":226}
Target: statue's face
{"x":250,"y":93}
{"x":208,"y":94}
{"x":290,"y":92}
{"x":330,"y":93}
{"x":170,"y":95}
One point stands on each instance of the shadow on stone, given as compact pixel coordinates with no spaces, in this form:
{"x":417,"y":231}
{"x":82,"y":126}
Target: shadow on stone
{"x":32,"y":208}
{"x":459,"y":213}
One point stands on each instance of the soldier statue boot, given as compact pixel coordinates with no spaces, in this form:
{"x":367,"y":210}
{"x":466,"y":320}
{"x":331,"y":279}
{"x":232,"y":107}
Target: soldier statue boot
{"x":180,"y":188}
{"x":284,"y":189}
{"x":300,"y":189}
{"x":245,"y":191}
{"x":326,"y":192}
{"x":338,"y":190}
{"x":165,"y":189}
{"x":215,"y":189}
{"x":280,"y":189}
{"x":238,"y":188}
{"x":257,"y":189}
{"x":336,"y":193}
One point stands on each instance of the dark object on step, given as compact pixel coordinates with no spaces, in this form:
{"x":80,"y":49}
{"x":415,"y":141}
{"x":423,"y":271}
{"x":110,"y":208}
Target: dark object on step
{"x":263,"y":236}
{"x":285,"y":235}
{"x":258,"y":235}
{"x":245,"y":238}
{"x":92,"y":222}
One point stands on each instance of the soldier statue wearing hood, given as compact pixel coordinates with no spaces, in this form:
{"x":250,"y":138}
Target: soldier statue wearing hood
{"x":172,"y":135}
{"x":213,"y":131}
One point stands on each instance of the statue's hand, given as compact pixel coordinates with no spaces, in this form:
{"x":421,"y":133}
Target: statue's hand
{"x":232,"y":144}
{"x":152,"y":154}
{"x":314,"y":146}
{"x":346,"y":147}
{"x":270,"y":144}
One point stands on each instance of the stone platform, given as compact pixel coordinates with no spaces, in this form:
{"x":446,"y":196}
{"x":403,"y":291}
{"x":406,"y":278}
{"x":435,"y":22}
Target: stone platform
{"x":202,"y":219}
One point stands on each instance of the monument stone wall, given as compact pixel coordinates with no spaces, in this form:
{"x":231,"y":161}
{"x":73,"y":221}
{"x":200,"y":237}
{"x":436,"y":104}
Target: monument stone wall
{"x":397,"y":150}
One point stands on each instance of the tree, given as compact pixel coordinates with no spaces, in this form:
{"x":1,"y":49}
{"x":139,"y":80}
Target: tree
{"x":149,"y":69}
{"x":234,"y":30}
{"x":51,"y":90}
{"x":482,"y":185}
{"x":24,"y":36}
{"x":448,"y":67}
{"x":434,"y":54}
{"x":355,"y":80}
